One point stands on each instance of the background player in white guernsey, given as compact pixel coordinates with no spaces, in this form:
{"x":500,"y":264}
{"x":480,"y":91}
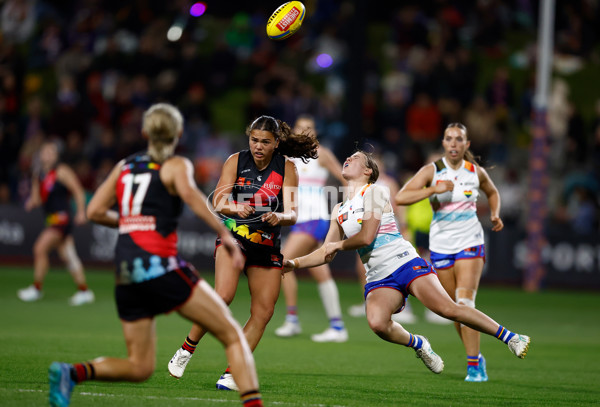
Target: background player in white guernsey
{"x":456,"y":242}
{"x":310,"y":229}
{"x":393,"y":268}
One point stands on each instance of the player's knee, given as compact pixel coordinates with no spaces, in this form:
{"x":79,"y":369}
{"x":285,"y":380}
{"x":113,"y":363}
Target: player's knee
{"x":262,"y":312}
{"x":226,"y":296}
{"x":142,"y":371}
{"x":40,"y":249}
{"x":466,"y":301}
{"x":232,"y":337}
{"x":380,"y":326}
{"x":466,"y":296}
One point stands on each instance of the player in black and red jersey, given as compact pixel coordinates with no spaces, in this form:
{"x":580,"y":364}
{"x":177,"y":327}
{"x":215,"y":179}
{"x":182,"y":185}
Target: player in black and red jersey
{"x":149,"y":189}
{"x":255,"y":196}
{"x":52,"y":188}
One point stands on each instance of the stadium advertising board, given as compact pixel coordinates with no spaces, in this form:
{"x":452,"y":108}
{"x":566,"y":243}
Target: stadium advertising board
{"x":571,"y":260}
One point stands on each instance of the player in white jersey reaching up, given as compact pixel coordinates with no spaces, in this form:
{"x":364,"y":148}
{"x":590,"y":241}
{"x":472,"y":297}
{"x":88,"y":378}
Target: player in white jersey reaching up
{"x":393,"y":268}
{"x":456,"y":242}
{"x":310,"y":229}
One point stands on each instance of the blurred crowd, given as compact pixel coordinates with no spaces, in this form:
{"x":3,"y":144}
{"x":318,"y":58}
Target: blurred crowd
{"x":84,"y":71}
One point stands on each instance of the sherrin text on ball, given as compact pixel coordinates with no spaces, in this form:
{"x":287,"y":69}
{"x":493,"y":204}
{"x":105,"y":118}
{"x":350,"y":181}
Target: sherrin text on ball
{"x":286,"y":20}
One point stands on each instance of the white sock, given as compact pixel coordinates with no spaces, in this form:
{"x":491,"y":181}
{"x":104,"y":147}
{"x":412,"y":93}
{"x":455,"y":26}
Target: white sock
{"x":331,"y":299}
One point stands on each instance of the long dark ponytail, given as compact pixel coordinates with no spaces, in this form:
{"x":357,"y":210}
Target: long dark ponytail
{"x":303,"y":145}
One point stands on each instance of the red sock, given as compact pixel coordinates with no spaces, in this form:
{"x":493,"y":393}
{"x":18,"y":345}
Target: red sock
{"x":83,"y":371}
{"x":252,"y":398}
{"x":38,"y":285}
{"x":82,"y":287}
{"x":189,"y":345}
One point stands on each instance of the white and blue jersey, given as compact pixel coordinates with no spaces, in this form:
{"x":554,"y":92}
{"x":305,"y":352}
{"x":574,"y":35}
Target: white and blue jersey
{"x":313,"y":210}
{"x":455,"y":226}
{"x":388,"y":251}
{"x":312,"y":201}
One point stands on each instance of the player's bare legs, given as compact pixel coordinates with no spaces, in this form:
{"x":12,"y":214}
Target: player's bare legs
{"x":48,"y":240}
{"x":299,"y":244}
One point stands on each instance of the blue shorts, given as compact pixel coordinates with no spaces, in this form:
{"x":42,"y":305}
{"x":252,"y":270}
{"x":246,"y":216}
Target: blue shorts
{"x":316,"y":228}
{"x":445,"y":261}
{"x":402,"y":278}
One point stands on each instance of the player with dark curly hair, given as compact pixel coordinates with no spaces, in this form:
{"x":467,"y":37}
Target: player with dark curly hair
{"x":255,"y":196}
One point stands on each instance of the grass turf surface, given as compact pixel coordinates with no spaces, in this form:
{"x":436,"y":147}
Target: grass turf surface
{"x":561,"y":368}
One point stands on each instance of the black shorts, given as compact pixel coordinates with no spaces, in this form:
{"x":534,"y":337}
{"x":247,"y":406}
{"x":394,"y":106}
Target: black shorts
{"x":268,"y":257}
{"x":60,"y":221}
{"x":157,"y":296}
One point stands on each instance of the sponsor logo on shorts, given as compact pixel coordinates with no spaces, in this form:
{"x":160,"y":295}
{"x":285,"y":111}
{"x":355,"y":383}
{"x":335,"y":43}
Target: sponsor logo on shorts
{"x":441,"y":263}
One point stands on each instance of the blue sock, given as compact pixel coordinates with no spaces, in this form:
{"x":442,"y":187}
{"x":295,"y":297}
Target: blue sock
{"x":504,"y":334}
{"x":336,"y":323}
{"x":473,"y":361}
{"x":292,"y":315}
{"x":414,"y":342}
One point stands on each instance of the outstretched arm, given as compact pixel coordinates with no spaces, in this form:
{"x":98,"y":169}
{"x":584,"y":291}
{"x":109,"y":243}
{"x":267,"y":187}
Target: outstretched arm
{"x":318,"y":257}
{"x":376,"y":200}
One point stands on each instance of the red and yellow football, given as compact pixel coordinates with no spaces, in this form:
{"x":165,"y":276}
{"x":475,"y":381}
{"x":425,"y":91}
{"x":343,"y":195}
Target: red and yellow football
{"x":286,"y":20}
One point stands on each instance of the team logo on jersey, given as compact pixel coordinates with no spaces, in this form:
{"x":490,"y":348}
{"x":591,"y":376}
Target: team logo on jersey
{"x":343,"y":217}
{"x":244,"y":182}
{"x":468,"y":193}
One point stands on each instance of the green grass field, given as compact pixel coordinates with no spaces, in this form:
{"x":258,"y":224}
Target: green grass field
{"x":561,"y":368}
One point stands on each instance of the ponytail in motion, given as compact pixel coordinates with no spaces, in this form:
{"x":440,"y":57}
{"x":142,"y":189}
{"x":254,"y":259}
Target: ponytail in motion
{"x":302,"y":145}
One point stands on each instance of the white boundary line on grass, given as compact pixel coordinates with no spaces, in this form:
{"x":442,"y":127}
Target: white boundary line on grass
{"x":236,"y":402}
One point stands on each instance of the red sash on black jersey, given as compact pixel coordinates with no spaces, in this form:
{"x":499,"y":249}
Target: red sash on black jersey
{"x":55,"y":196}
